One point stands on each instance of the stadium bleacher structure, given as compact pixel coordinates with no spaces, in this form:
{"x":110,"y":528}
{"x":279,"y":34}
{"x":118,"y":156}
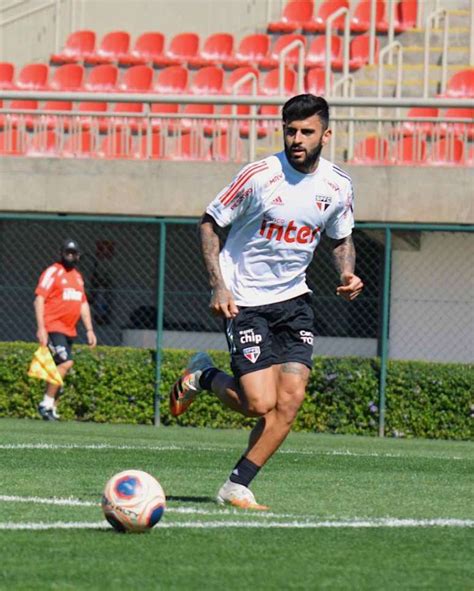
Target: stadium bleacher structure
{"x":189,"y":65}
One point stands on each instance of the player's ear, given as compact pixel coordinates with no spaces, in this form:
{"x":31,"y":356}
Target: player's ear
{"x":326,"y":136}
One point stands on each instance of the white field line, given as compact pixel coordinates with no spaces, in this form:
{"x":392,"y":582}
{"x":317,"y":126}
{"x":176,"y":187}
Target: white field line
{"x":307,"y":452}
{"x":366,"y":523}
{"x":71,"y":502}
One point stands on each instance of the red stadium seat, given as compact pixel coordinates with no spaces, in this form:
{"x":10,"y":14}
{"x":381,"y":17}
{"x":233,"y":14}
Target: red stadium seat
{"x":470,"y":157}
{"x":111,"y":47}
{"x":295,"y":14}
{"x":53,"y":122}
{"x":78,"y":45}
{"x":147,"y":47}
{"x":82,"y":144}
{"x":315,"y":81}
{"x":461,"y":84}
{"x":251,"y":51}
{"x":405,"y":17}
{"x":360,"y":21}
{"x":217,"y":48}
{"x":291,"y":58}
{"x":150,"y":146}
{"x":67,"y":77}
{"x":238,"y":74}
{"x":191,"y":146}
{"x":208,"y":80}
{"x":12,"y":143}
{"x":221,"y":148}
{"x":135,"y":79}
{"x":418,"y":127}
{"x":33,"y":77}
{"x":7,"y":71}
{"x":170,"y":80}
{"x":358,"y":53}
{"x":461,"y":129}
{"x":410,"y":151}
{"x":206,"y":125}
{"x":326,"y":8}
{"x":270,"y":85}
{"x":117,"y":144}
{"x":371,"y":150}
{"x":316,"y":55}
{"x":182,"y":48}
{"x":102,"y":78}
{"x":447,"y":151}
{"x":16,"y":120}
{"x":43,"y":143}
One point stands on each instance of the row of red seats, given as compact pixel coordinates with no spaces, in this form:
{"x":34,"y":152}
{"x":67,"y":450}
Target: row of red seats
{"x":301,"y":15}
{"x":254,"y":50}
{"x":117,"y":144}
{"x":170,"y":80}
{"x":439,"y":128}
{"x":174,"y":80}
{"x":414,"y":151}
{"x":373,"y":150}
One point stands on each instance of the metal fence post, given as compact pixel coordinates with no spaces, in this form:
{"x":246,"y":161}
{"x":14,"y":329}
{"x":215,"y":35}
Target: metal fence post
{"x":159,"y":320}
{"x":384,"y":330}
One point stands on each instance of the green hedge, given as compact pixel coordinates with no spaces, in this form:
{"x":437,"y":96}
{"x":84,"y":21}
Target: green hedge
{"x":116,"y":385}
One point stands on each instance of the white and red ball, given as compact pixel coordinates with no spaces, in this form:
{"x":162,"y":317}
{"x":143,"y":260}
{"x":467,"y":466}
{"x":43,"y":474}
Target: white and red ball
{"x":133,"y":501}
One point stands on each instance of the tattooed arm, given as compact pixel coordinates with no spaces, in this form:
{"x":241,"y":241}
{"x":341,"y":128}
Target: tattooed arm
{"x":222,"y":302}
{"x":344,"y":256}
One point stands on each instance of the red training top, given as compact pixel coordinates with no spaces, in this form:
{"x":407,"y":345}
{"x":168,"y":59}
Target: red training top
{"x":63,"y":293}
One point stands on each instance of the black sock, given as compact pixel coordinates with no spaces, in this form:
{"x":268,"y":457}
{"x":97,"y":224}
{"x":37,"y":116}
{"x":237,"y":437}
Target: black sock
{"x":244,"y":472}
{"x":205,"y":381}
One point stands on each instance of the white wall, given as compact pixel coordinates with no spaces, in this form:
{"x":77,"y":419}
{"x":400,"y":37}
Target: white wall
{"x":432,"y":300}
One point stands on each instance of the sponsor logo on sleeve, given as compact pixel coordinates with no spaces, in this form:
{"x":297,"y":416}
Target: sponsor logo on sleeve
{"x":307,"y":337}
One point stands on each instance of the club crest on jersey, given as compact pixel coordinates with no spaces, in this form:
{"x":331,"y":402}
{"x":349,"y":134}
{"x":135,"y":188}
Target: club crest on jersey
{"x":323,"y":202}
{"x":251,"y":353}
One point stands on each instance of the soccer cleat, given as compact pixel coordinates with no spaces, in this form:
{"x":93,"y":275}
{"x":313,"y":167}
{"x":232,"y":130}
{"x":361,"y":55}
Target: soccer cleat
{"x":54,"y":412}
{"x":47,"y":414}
{"x":185,"y":388}
{"x":238,"y":496}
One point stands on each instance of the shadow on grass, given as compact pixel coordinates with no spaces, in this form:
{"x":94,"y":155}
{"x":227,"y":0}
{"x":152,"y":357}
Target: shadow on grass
{"x":190,"y":499}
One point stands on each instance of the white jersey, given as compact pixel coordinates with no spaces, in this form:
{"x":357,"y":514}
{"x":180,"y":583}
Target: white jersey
{"x":277,"y":216}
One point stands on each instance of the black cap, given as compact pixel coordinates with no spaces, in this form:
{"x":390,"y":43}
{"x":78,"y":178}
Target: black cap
{"x":70,"y":244}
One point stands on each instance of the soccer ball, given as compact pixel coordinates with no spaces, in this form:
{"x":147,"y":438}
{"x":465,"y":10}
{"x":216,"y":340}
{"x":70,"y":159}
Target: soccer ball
{"x":133,"y":501}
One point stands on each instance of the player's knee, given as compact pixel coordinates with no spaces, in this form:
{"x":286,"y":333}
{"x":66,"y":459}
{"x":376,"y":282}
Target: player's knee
{"x":289,"y":405}
{"x":67,"y":365}
{"x":259,"y":408}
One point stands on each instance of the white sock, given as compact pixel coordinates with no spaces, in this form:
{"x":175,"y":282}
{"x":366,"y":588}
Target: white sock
{"x":48,"y":401}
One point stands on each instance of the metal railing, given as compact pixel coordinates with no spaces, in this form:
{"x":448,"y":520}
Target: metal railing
{"x":434,"y":17}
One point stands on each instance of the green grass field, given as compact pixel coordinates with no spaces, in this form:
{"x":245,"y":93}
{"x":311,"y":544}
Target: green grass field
{"x":346,"y":512}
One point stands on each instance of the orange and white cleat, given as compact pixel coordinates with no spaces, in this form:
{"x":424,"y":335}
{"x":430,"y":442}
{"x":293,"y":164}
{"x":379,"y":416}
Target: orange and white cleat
{"x":186,"y":387}
{"x":238,"y":495}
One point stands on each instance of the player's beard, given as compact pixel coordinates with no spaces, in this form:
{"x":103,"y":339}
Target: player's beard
{"x":310,"y":160}
{"x":69,"y":264}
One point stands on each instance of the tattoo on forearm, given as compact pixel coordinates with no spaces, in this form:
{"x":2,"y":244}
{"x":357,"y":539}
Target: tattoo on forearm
{"x":210,"y":248}
{"x":344,"y":256}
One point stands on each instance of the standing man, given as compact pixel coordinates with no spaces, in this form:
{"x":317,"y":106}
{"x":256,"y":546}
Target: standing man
{"x":60,"y":302}
{"x":278,"y":208}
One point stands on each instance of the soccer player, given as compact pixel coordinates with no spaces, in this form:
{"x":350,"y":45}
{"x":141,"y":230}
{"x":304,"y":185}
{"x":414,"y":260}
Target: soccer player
{"x":60,"y":302}
{"x":278,"y":208}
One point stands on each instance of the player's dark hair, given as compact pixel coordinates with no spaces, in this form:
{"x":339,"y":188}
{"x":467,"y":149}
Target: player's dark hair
{"x":303,"y":106}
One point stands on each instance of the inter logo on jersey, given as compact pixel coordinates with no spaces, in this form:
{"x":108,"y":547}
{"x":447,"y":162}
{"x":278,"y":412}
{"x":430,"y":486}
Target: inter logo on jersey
{"x":323,"y":202}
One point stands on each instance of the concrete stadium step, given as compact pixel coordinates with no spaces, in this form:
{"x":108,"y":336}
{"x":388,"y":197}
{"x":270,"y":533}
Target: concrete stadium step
{"x":458,"y":36}
{"x":410,"y":72}
{"x":410,"y":88}
{"x":415,"y":54}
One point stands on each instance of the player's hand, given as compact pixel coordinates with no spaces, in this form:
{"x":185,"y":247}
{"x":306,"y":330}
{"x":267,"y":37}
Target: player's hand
{"x":42,"y":336}
{"x":351,"y":286}
{"x":91,"y":339}
{"x":222,"y":303}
